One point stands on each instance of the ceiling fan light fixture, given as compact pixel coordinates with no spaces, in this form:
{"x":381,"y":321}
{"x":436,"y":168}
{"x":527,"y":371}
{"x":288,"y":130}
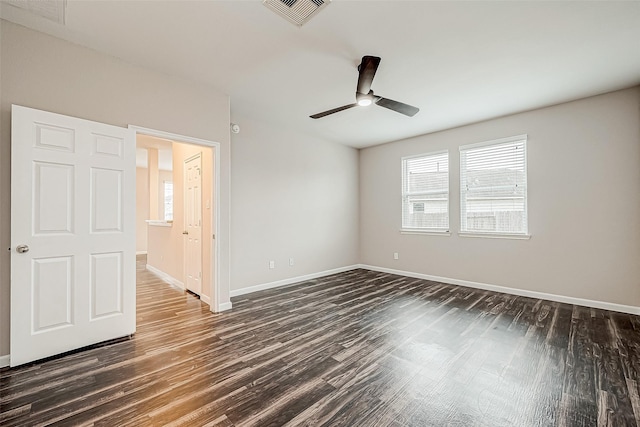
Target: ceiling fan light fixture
{"x":364,"y":99}
{"x":365,"y":96}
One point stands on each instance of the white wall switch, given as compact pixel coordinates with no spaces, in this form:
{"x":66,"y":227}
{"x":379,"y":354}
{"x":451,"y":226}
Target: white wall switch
{"x":272,"y":264}
{"x":395,"y":255}
{"x":290,"y":262}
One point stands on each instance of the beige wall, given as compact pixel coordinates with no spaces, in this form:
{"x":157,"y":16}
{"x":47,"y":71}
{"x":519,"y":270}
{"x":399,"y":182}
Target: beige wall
{"x":142,"y":208}
{"x":293,"y":196}
{"x":584,"y":204}
{"x":166,"y":244}
{"x":50,"y":74}
{"x":143,"y":201}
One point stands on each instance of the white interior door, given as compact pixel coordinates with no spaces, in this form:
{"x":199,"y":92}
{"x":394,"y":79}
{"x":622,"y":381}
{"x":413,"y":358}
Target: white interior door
{"x":193,"y":222}
{"x":72,"y":234}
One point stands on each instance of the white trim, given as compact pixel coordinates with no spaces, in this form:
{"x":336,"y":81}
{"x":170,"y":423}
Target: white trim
{"x":427,"y":232}
{"x":172,"y":136}
{"x":164,"y":276}
{"x":630,"y":309}
{"x":141,"y":252}
{"x":496,"y":235}
{"x":205,"y":299}
{"x":431,"y":153}
{"x":5,"y":360}
{"x":159,"y":223}
{"x":215,"y":282}
{"x":285,"y":282}
{"x":225,"y":306}
{"x":494,"y":142}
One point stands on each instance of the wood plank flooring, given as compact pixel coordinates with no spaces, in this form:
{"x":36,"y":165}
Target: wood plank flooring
{"x":359,"y":348}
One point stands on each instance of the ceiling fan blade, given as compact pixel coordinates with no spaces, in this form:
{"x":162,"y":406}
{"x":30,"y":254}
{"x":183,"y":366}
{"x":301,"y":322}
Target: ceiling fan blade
{"x":402,"y":108}
{"x":335,"y":110}
{"x":367,"y":69}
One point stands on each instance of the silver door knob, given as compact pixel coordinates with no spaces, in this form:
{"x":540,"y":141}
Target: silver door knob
{"x":22,"y":249}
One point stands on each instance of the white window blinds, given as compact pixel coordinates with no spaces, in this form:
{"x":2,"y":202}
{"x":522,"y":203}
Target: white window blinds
{"x":493,"y":187}
{"x":425,"y":192}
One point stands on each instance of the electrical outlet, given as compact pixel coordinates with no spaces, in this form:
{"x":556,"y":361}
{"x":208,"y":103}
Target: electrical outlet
{"x":395,"y":255}
{"x":290,"y":262}
{"x":272,"y":264}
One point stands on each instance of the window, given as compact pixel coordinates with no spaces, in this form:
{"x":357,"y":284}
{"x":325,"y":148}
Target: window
{"x":425,"y":192}
{"x":168,"y":201}
{"x":493,"y":187}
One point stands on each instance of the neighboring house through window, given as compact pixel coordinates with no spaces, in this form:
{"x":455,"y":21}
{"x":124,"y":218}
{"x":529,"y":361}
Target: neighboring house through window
{"x":425,"y":192}
{"x":493,"y":187}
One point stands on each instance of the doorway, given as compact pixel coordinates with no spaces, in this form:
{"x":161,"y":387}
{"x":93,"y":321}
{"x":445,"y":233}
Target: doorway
{"x":171,"y":234}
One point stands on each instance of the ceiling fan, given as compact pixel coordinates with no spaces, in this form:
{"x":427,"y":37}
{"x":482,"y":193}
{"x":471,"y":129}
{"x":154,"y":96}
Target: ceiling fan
{"x":365,"y":96}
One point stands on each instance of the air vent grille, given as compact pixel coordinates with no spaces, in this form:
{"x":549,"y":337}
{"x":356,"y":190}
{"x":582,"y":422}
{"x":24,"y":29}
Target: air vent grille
{"x":53,"y":10}
{"x":296,"y":11}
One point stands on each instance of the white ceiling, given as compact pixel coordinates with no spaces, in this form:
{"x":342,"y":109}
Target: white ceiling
{"x":460,"y":62}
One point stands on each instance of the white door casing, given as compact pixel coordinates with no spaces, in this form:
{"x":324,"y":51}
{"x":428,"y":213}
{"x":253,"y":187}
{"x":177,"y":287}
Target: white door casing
{"x":193,"y":223}
{"x":73,"y":206}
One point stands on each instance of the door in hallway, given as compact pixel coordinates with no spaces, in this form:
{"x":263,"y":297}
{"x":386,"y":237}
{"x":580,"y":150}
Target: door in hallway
{"x":193,"y":223}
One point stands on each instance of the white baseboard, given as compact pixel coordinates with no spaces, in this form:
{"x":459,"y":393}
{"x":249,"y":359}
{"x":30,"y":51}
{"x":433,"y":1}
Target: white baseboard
{"x":166,"y":277}
{"x":222,"y":307}
{"x":225,"y":306}
{"x":141,"y":252}
{"x":5,"y":360}
{"x":513,"y":291}
{"x":284,"y":282}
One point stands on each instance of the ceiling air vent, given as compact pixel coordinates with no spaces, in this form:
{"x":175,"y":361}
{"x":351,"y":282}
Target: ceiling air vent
{"x":296,"y":11}
{"x":53,"y":10}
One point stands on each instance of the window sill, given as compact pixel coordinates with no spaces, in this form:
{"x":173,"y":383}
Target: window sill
{"x":497,"y":236}
{"x":427,"y":232}
{"x":159,"y":222}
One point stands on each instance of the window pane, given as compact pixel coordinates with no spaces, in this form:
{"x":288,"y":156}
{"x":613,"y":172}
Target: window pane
{"x":493,"y":187}
{"x":425,"y":187}
{"x":168,"y":201}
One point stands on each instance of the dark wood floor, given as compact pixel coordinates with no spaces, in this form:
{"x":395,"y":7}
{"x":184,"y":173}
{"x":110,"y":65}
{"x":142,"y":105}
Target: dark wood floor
{"x":354,"y":349}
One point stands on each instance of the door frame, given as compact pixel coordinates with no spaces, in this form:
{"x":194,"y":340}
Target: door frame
{"x":214,"y":280}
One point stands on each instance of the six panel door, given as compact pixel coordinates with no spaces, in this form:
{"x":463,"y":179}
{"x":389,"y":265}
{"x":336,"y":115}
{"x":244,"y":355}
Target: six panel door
{"x":72,"y":234}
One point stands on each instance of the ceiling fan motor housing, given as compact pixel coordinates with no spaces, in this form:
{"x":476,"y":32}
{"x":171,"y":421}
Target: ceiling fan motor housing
{"x":365,"y":96}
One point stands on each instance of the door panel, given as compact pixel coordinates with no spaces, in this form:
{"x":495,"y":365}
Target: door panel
{"x":106,"y":200}
{"x":73,"y":206}
{"x":53,"y":198}
{"x":54,"y":138}
{"x":106,"y":284}
{"x":52,"y":293}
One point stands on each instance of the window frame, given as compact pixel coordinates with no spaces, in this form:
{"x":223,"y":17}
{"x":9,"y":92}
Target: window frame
{"x":404,"y":194}
{"x":495,"y":234}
